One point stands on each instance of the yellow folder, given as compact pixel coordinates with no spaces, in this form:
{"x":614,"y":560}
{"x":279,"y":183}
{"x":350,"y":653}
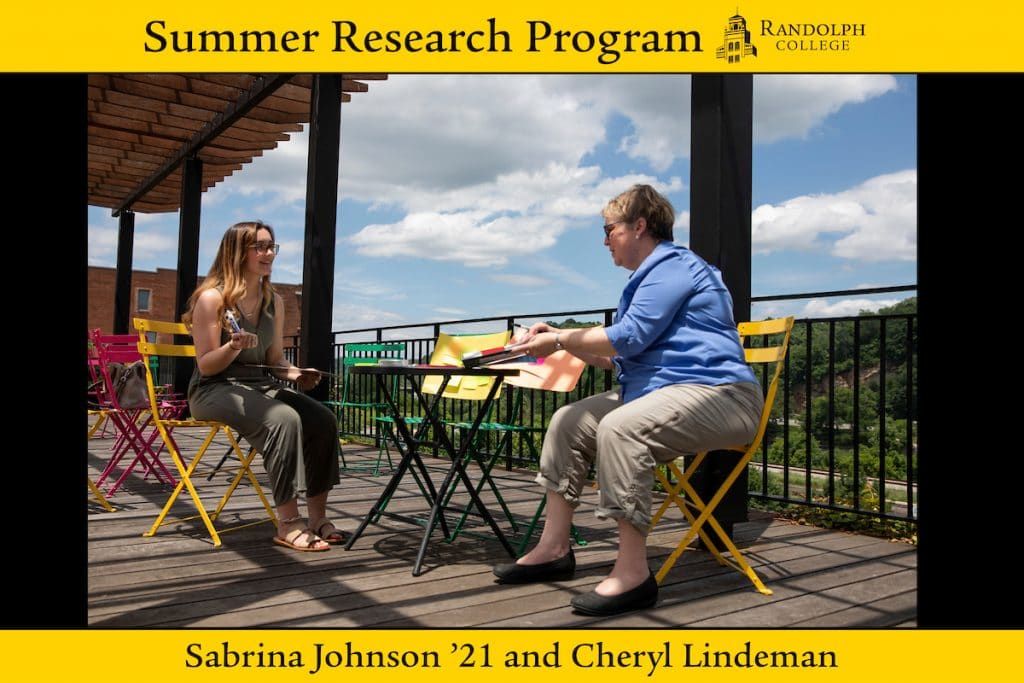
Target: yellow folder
{"x":448,"y":350}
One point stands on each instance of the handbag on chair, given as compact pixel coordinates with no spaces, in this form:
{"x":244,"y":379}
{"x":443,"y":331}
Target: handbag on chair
{"x":129,"y":382}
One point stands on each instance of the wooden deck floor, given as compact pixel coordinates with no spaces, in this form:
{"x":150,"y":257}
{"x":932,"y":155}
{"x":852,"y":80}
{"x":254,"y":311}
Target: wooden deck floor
{"x":178,"y":579}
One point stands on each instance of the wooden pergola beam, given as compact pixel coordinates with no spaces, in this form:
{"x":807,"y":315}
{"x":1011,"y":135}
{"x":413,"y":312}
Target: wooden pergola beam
{"x":262,"y":88}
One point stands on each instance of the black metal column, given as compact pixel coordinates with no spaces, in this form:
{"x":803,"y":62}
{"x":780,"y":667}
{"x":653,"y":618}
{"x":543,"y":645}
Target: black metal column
{"x":123,"y":285}
{"x":188,"y":250}
{"x":316,"y":343}
{"x":721,"y":148}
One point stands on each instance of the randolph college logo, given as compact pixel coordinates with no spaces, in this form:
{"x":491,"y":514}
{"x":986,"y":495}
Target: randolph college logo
{"x":737,"y":43}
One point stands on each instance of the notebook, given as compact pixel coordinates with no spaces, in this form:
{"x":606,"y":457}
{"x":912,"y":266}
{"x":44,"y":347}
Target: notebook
{"x":475,"y":359}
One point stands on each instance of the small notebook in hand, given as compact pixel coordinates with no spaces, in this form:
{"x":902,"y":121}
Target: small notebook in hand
{"x":500,"y":354}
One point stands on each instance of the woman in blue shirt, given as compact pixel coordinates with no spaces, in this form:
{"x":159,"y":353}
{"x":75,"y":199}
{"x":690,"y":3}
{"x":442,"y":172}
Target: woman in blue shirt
{"x":684,"y":387}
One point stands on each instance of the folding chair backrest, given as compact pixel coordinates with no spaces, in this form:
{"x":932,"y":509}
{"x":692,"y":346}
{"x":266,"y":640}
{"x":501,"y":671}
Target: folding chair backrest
{"x":117,"y":348}
{"x":108,"y":349}
{"x":372,"y":353}
{"x":766,"y":342}
{"x":366,"y":354}
{"x":448,"y":350}
{"x":96,"y":392}
{"x":149,"y":350}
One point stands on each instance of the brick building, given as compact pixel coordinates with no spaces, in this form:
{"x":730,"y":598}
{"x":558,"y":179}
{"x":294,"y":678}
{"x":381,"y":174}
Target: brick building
{"x":153,"y":297}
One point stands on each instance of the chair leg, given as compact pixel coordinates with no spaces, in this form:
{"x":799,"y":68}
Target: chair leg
{"x":383,"y":442}
{"x":380,"y":439}
{"x":223,"y":459}
{"x":383,"y":449}
{"x":186,"y":482}
{"x":705,"y":515}
{"x":485,"y":478}
{"x":574,"y":532}
{"x":245,"y":470}
{"x":99,"y":496}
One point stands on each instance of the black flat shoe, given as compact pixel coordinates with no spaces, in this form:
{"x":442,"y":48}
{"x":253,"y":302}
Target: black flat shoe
{"x":641,"y":597}
{"x":561,"y":569}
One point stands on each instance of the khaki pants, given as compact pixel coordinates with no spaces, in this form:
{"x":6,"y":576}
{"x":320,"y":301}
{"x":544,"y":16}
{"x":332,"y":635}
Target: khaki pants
{"x":629,"y":440}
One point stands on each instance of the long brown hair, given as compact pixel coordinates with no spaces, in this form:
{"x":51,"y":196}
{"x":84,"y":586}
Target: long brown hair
{"x":226,"y":271}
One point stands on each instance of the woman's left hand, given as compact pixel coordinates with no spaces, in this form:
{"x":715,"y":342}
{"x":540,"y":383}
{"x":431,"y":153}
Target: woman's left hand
{"x":305,"y":379}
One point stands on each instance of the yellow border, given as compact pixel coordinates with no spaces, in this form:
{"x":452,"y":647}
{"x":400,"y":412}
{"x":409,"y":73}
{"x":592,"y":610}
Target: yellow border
{"x":523,"y":36}
{"x":81,"y":37}
{"x":557,"y":656}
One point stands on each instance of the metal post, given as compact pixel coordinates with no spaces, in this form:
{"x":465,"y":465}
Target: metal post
{"x":123,"y":285}
{"x":316,"y":344}
{"x":188,"y":251}
{"x":720,"y":204}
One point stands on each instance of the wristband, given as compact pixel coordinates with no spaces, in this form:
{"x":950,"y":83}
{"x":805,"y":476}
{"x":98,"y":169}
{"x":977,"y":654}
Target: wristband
{"x":558,"y":343}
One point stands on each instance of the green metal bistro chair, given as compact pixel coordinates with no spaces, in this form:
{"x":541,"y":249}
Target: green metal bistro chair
{"x":559,"y":373}
{"x":485,"y":456}
{"x":448,"y":351}
{"x":360,"y":403}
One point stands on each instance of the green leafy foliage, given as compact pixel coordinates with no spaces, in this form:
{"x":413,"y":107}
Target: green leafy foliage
{"x":845,"y":418}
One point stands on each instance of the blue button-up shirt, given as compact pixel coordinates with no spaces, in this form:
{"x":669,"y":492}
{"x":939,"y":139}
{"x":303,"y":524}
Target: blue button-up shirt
{"x":674,"y":325}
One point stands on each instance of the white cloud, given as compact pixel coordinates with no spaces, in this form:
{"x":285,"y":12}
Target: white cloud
{"x":471,"y":238}
{"x":413,"y":136}
{"x":451,"y":311}
{"x":278,"y":177}
{"x":793,"y":105}
{"x":819,"y":308}
{"x":519,"y":215}
{"x":525,"y":281}
{"x":102,"y":245}
{"x":823,"y":308}
{"x":874,"y":221}
{"x":490,"y":170}
{"x":152,"y":243}
{"x":348,"y":316}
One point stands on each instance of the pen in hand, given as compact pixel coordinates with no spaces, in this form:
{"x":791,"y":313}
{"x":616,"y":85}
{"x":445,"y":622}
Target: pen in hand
{"x":520,"y":335}
{"x":231,"y":321}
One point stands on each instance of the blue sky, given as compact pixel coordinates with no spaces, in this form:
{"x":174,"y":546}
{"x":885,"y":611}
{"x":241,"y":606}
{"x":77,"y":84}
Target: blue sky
{"x":466,"y":196}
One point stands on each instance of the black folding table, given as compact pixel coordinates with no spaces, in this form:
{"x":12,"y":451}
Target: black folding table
{"x":436,"y":496}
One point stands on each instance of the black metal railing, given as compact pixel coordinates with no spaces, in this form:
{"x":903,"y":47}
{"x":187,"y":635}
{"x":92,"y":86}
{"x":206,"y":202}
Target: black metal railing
{"x":843,"y":429}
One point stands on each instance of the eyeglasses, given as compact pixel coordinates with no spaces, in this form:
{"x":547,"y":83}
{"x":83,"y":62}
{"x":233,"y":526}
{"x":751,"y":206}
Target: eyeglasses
{"x":608,"y":227}
{"x":264,"y":247}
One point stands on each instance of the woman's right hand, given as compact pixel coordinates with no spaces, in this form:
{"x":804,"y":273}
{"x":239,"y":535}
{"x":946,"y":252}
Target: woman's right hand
{"x":243,"y":340}
{"x":526,"y":339}
{"x":535,"y":329}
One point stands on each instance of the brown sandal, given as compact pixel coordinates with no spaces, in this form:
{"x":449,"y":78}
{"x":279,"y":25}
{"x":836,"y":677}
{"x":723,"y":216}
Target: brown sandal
{"x":333,"y":536}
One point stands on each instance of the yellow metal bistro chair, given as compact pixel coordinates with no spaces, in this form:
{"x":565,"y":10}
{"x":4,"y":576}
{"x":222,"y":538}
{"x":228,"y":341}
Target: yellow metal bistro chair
{"x":773,"y":336}
{"x":166,"y":426}
{"x":100,"y":417}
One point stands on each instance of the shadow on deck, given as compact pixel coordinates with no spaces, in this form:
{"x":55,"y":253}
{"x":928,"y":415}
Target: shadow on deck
{"x":178,"y":579}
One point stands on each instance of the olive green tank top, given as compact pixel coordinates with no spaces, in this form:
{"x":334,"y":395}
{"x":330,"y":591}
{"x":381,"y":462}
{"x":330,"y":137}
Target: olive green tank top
{"x":239,"y":371}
